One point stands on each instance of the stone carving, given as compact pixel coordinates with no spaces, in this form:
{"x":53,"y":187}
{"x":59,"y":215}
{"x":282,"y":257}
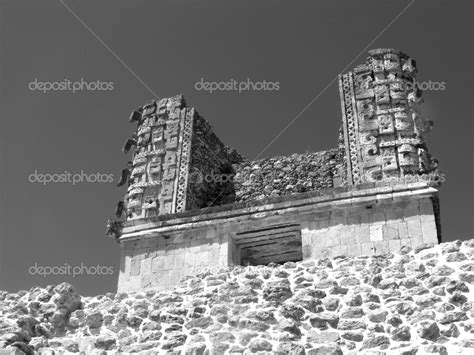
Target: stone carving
{"x":120,"y":209}
{"x":114,"y":228}
{"x":136,"y":116}
{"x":125,"y":175}
{"x":388,"y":142}
{"x":176,"y":157}
{"x":129,"y":143}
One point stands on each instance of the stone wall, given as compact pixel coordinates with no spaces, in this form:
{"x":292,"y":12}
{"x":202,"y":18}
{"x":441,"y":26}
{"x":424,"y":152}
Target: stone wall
{"x":210,"y":160}
{"x":362,"y":230}
{"x":161,"y":260}
{"x":285,"y":175}
{"x":410,"y":302}
{"x":351,"y":221}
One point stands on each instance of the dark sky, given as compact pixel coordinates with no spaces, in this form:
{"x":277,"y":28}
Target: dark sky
{"x":171,"y":45}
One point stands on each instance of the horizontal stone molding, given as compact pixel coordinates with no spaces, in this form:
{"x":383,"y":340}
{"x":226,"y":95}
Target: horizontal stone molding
{"x":305,"y":204}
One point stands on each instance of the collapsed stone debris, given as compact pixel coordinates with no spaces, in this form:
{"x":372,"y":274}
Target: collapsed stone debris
{"x":410,"y":302}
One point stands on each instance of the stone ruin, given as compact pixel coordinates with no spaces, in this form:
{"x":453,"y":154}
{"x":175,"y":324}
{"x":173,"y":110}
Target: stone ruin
{"x":194,"y":203}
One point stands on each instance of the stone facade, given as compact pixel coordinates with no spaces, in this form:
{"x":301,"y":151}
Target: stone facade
{"x":377,"y":219}
{"x":171,"y":141}
{"x":193,"y":202}
{"x":383,"y":128}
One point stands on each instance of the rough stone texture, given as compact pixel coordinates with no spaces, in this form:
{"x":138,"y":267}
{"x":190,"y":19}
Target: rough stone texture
{"x":202,"y":317}
{"x":281,"y":176}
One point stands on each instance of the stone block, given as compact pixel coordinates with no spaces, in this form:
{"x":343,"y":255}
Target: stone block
{"x":416,"y":241}
{"x":321,"y":224}
{"x":354,"y":249}
{"x":224,"y":248}
{"x":178,"y":239}
{"x":189,"y":259}
{"x":307,"y":251}
{"x":157,"y":264}
{"x":222,"y":261}
{"x":377,"y":217}
{"x":205,"y":246}
{"x":376,"y":233}
{"x":430,"y":234}
{"x":353,"y":219}
{"x":338,"y":214}
{"x":174,"y":276}
{"x":186,"y":271}
{"x":347,"y":235}
{"x":146,"y":266}
{"x":365,"y":217}
{"x":133,"y":284}
{"x":126,"y":261}
{"x":332,"y":237}
{"x":339,"y":250}
{"x":400,"y":196}
{"x":394,"y":245}
{"x":326,"y":237}
{"x":414,"y":228}
{"x":390,"y":231}
{"x":202,"y":258}
{"x":178,"y":261}
{"x":402,"y":230}
{"x":427,"y":218}
{"x":337,"y":221}
{"x":405,"y":243}
{"x":168,"y":262}
{"x":426,"y":207}
{"x":322,"y":215}
{"x":382,"y":247}
{"x":306,"y":237}
{"x":362,"y":234}
{"x":366,"y":248}
{"x":135,"y":266}
{"x":412,"y":209}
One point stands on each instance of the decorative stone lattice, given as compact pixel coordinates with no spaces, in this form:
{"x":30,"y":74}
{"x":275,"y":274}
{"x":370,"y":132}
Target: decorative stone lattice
{"x":169,"y":144}
{"x":383,"y":128}
{"x":157,"y":155}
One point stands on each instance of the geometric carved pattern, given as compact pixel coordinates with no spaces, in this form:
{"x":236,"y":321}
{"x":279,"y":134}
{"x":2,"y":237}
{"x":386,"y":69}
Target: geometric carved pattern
{"x":184,"y":161}
{"x":383,"y":130}
{"x":157,"y":154}
{"x":349,"y":111}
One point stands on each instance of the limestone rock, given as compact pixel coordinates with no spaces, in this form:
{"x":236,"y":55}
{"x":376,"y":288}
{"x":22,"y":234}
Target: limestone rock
{"x":299,"y":308}
{"x":428,"y":330}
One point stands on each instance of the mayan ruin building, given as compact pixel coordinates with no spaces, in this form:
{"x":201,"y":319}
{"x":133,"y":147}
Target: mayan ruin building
{"x":191,"y":201}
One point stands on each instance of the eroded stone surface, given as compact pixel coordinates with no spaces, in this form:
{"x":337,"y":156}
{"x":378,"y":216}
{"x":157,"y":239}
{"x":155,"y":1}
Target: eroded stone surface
{"x":279,"y":318}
